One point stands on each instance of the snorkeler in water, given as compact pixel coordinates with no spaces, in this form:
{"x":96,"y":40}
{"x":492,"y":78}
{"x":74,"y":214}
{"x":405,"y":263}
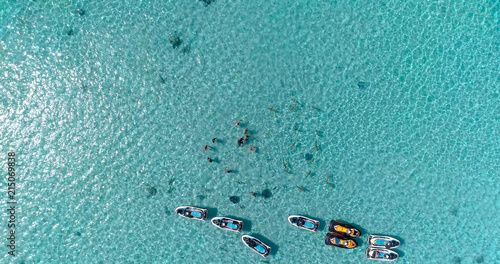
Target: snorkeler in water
{"x":80,"y":11}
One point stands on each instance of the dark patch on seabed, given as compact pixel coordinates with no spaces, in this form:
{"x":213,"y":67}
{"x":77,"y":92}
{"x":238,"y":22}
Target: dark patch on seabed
{"x":267,"y":193}
{"x":234,"y":199}
{"x":207,"y":2}
{"x":363,"y":85}
{"x":152,"y":191}
{"x":454,"y":212}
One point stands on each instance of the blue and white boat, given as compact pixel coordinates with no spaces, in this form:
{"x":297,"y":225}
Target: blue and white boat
{"x":192,"y":212}
{"x":256,"y":245}
{"x":381,"y":254}
{"x":228,"y":224}
{"x":383,"y":242}
{"x":304,"y":222}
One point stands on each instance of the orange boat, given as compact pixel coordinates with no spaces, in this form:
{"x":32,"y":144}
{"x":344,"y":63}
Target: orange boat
{"x":339,"y":240}
{"x":345,"y":229}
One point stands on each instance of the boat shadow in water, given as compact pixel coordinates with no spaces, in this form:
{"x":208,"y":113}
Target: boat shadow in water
{"x":274,"y":247}
{"x":247,"y":224}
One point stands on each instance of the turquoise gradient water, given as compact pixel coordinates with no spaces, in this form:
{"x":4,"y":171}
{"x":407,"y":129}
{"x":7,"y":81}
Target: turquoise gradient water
{"x":100,"y":109}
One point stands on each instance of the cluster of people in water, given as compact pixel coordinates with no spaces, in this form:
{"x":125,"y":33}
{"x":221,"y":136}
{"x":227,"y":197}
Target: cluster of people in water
{"x":340,"y":234}
{"x":241,"y":141}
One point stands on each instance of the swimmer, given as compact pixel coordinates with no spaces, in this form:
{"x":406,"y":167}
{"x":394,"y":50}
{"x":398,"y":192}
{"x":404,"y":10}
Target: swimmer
{"x":246,"y":131}
{"x":247,"y":137}
{"x":214,"y":140}
{"x":252,"y":148}
{"x":207,"y":148}
{"x":80,"y":11}
{"x":175,"y":41}
{"x":241,"y":141}
{"x":237,"y":123}
{"x":253,"y":194}
{"x":227,"y":171}
{"x":210,"y":160}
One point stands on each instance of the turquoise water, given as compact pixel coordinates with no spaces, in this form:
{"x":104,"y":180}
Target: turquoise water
{"x":108,"y":122}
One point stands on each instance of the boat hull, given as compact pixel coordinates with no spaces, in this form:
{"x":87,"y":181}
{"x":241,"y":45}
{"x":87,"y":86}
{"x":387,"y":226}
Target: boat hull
{"x":383,"y":242}
{"x":336,"y":226}
{"x":191,"y":212}
{"x":258,"y":246}
{"x":309,"y":224}
{"x":227,"y":224}
{"x":381,"y":254}
{"x":339,"y":240}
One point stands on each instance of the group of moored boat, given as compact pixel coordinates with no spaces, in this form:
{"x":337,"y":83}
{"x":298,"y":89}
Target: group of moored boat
{"x":379,"y":248}
{"x":227,"y":224}
{"x":341,"y":235}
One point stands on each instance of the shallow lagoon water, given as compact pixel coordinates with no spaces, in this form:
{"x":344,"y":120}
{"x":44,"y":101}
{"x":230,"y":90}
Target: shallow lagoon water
{"x":406,"y":127}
